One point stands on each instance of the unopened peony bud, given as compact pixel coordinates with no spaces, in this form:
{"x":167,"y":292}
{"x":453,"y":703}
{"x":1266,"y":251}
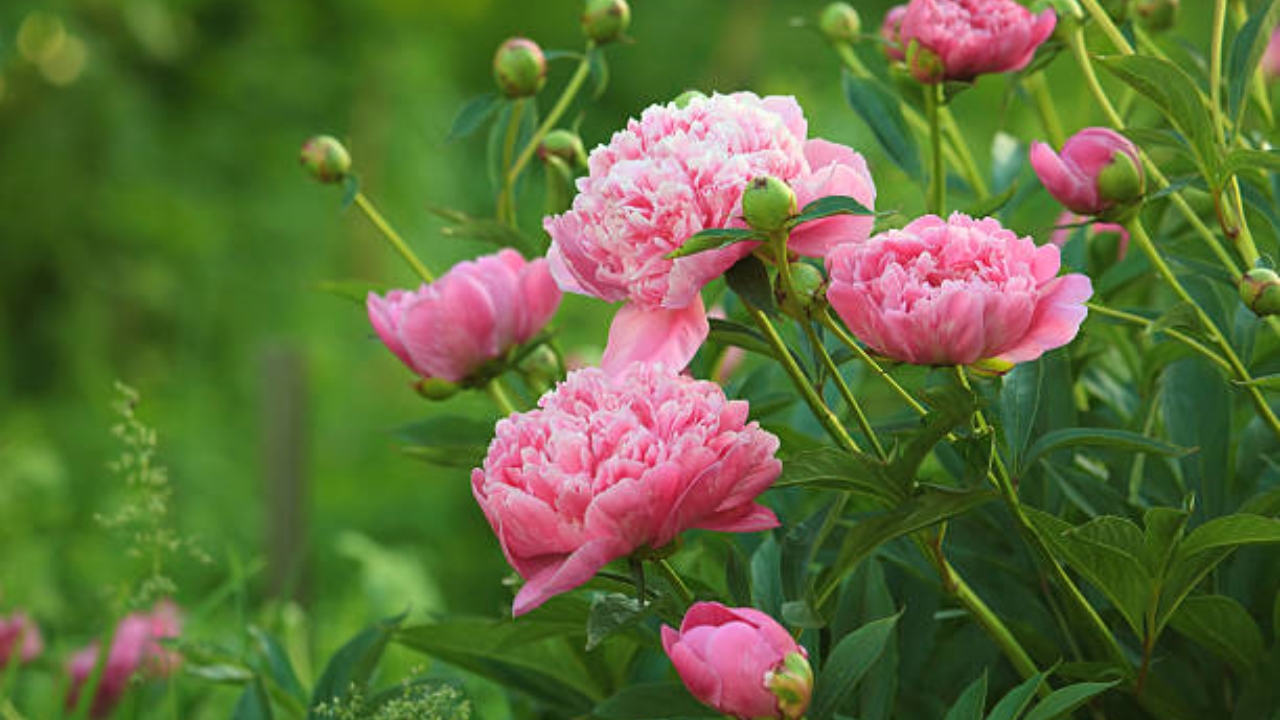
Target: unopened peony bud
{"x":1157,"y":15}
{"x":1098,"y":173}
{"x":563,"y":144}
{"x":1122,"y":181}
{"x":792,"y":684}
{"x":839,"y":22}
{"x":808,"y":287}
{"x":683,"y":99}
{"x":1260,"y":291}
{"x":768,"y":203}
{"x":434,"y":388}
{"x":325,"y":159}
{"x":520,"y":68}
{"x":604,"y":21}
{"x":968,"y":38}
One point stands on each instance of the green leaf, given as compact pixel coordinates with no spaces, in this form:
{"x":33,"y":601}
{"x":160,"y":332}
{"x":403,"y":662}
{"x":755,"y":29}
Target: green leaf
{"x":225,"y":673}
{"x":493,"y":233}
{"x":357,"y":291}
{"x":1244,"y":57}
{"x":1062,"y":701}
{"x":648,"y":701}
{"x":353,"y":664}
{"x":879,"y":109}
{"x":828,"y":206}
{"x":1264,"y":382}
{"x":1163,"y":531}
{"x":1229,"y":532}
{"x":474,"y":112}
{"x":950,"y":406}
{"x":713,"y":239}
{"x":727,"y":332}
{"x":253,"y":703}
{"x":851,"y":658}
{"x":797,"y":551}
{"x":1177,"y":97}
{"x":971,"y":703}
{"x":612,"y":613}
{"x":1019,"y":402}
{"x":835,"y":469}
{"x":1222,"y":626}
{"x":802,"y":614}
{"x":1098,"y":437}
{"x":598,"y":72}
{"x":1017,"y":699}
{"x":766,"y":577}
{"x":1249,"y":159}
{"x":750,"y":280}
{"x":447,"y":440}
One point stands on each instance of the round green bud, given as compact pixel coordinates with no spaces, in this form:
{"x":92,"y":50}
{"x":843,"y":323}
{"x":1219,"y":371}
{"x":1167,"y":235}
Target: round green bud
{"x":604,"y":21}
{"x":1123,"y":181}
{"x":808,"y":283}
{"x":924,"y":64}
{"x":768,"y":203}
{"x":792,"y":684}
{"x":325,"y":159}
{"x":541,"y":367}
{"x":839,"y":22}
{"x":1260,"y":291}
{"x":434,"y":388}
{"x":519,"y":68}
{"x":1156,"y":15}
{"x":563,"y":144}
{"x":683,"y":99}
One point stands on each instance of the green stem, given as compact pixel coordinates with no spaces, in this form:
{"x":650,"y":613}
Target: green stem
{"x":1215,"y":68}
{"x":1139,"y":235}
{"x":686,"y":595}
{"x":1146,"y":324}
{"x":937,"y":199}
{"x":845,"y":392}
{"x":393,"y":237}
{"x":562,"y":104}
{"x":1109,"y":28}
{"x":500,"y":397}
{"x":1045,"y":108}
{"x":820,"y":410}
{"x":848,"y":341}
{"x":506,"y":197}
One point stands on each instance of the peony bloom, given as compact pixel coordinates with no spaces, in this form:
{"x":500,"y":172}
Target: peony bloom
{"x":610,"y":464}
{"x":956,"y":291}
{"x":670,"y":174}
{"x":891,"y":33}
{"x":1062,"y":233}
{"x":962,"y":39}
{"x":1098,"y":170}
{"x":473,"y":314}
{"x":19,"y":637}
{"x":740,"y":661}
{"x":135,"y":648}
{"x":1271,"y":57}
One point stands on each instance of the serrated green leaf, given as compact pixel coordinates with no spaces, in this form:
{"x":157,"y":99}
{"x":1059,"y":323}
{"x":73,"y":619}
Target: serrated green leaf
{"x":971,"y":703}
{"x":880,"y":110}
{"x":851,"y":658}
{"x":474,"y":112}
{"x":750,"y":280}
{"x":1017,"y":699}
{"x":1222,"y":626}
{"x":713,"y":239}
{"x":612,"y":613}
{"x":1062,"y":701}
{"x":828,"y":206}
{"x":1110,"y":438}
{"x":652,"y":701}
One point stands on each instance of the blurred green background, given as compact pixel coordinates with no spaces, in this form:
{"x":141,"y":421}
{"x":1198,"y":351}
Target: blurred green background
{"x":155,"y":228}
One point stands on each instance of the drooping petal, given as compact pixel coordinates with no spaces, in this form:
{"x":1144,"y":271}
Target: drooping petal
{"x":667,"y":337}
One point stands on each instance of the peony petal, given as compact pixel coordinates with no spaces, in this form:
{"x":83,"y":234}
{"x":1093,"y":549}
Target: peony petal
{"x":557,"y":577}
{"x":667,"y":337}
{"x":1057,"y":319}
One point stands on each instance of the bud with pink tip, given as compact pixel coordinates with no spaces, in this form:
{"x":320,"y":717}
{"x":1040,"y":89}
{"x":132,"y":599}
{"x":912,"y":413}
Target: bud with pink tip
{"x":958,"y":40}
{"x":605,"y":21}
{"x":325,"y":159}
{"x":136,"y":649}
{"x":1271,"y":58}
{"x":520,"y":68}
{"x":20,"y":639}
{"x":1098,"y":172}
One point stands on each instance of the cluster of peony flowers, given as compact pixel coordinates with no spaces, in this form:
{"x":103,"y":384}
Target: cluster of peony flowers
{"x":20,"y":639}
{"x":474,"y":314}
{"x":611,"y":464}
{"x":680,"y":169}
{"x":135,"y":649}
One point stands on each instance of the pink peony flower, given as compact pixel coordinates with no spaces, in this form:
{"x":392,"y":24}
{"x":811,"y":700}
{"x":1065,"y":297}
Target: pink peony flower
{"x":135,"y":649}
{"x":956,"y":291}
{"x":610,"y":464}
{"x":1271,"y":57}
{"x":1062,"y":232}
{"x":1078,"y":176}
{"x":475,"y":313}
{"x":891,"y":33}
{"x":670,"y":174}
{"x":15,"y":629}
{"x":740,"y":661}
{"x":962,"y":39}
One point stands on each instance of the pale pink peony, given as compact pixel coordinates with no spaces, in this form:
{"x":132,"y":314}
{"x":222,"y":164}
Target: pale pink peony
{"x":969,"y":38}
{"x":471,"y":315}
{"x":891,"y":33}
{"x":956,"y":291}
{"x":20,"y":637}
{"x":729,"y":658}
{"x":1062,"y":231}
{"x":670,"y":174}
{"x":1271,"y":57}
{"x":610,"y":464}
{"x":1074,"y":176}
{"x":135,"y":649}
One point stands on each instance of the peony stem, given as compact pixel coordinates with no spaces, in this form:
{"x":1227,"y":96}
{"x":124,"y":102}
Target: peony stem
{"x":506,"y":197}
{"x":393,"y":237}
{"x":562,"y":104}
{"x":830,"y":323}
{"x":637,"y":577}
{"x":1241,"y":373}
{"x":845,"y":392}
{"x":1109,"y":28}
{"x":1176,"y":335}
{"x":686,"y":595}
{"x":936,"y":202}
{"x":1044,"y":106}
{"x":500,"y":397}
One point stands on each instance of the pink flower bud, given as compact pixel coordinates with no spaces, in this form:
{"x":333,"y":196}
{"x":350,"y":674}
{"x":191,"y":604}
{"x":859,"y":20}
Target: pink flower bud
{"x":969,"y":38}
{"x":956,"y":292}
{"x":1271,"y":57}
{"x":136,"y":649}
{"x":1097,"y":171}
{"x":741,"y":662}
{"x":891,"y":33}
{"x":611,"y":464}
{"x":470,"y":316}
{"x":20,"y":637}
